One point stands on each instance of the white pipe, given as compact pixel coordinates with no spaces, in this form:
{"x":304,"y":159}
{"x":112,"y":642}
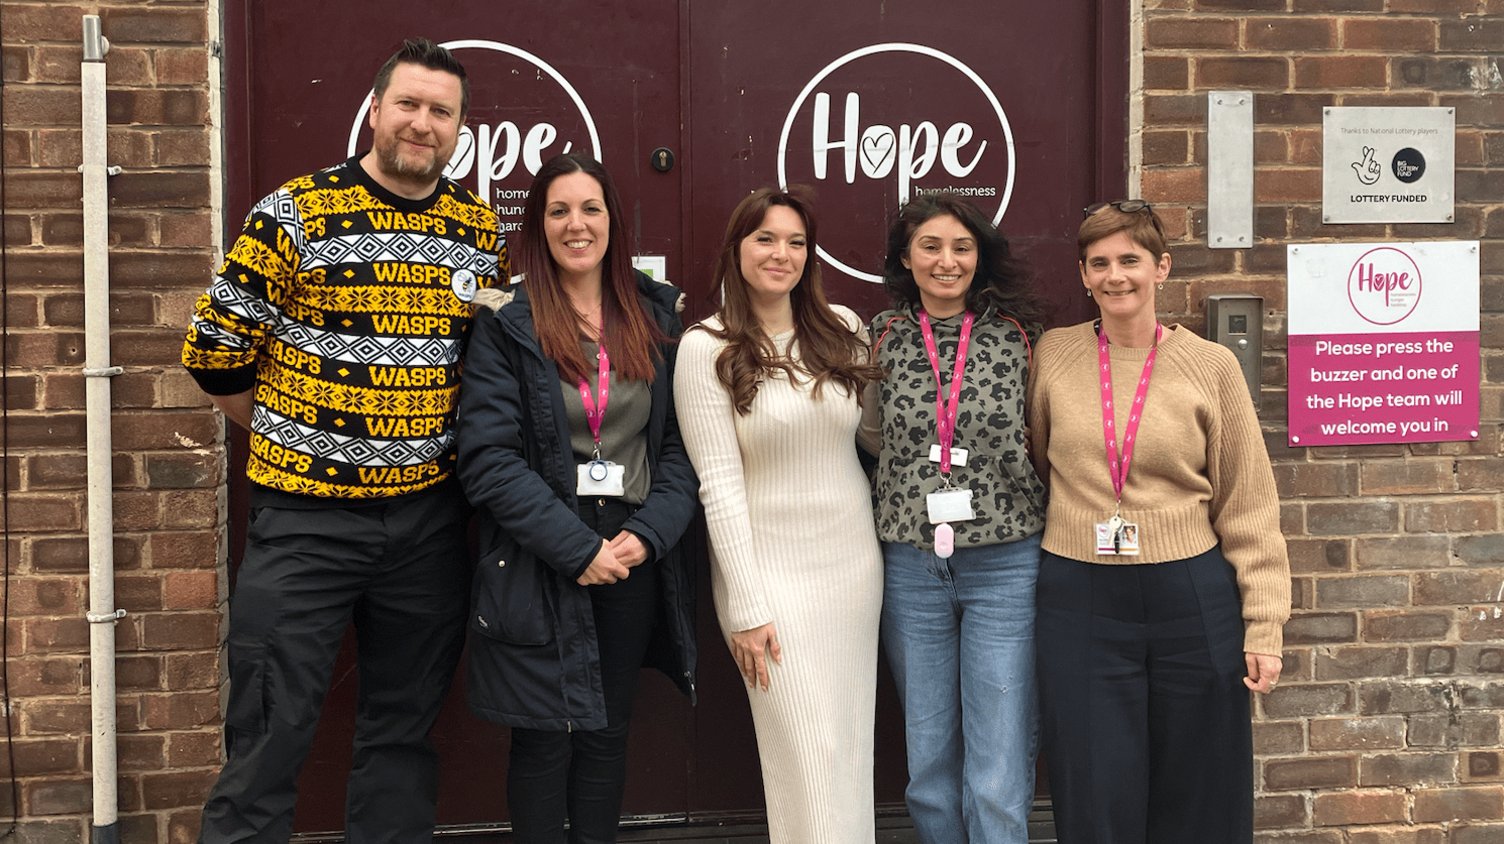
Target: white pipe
{"x":97,"y":371}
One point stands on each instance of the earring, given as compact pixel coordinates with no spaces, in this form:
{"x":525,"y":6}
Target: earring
{"x":1161,"y":285}
{"x":1088,"y":294}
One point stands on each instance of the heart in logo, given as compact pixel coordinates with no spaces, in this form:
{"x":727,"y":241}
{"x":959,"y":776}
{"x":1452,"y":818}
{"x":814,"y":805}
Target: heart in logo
{"x":877,"y":148}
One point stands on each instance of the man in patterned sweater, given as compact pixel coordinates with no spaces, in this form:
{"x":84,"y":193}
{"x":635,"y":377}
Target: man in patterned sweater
{"x":333,"y":332}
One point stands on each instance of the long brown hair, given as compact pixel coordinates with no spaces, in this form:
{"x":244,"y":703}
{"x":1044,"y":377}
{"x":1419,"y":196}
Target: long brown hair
{"x":828,"y":349}
{"x":631,"y":335}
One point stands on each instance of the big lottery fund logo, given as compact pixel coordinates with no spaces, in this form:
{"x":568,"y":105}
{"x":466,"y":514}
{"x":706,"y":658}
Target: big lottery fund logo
{"x":1384,"y":285}
{"x":883,"y":124}
{"x":522,"y":113}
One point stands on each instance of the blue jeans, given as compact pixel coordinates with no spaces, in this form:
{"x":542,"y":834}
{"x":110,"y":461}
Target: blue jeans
{"x":959,"y":635}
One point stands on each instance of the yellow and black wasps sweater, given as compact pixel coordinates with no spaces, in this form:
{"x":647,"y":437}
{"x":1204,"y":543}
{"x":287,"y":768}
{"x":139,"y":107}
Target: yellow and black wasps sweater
{"x":346,"y":308}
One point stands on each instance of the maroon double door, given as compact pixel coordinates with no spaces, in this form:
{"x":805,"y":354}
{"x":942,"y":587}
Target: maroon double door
{"x":691,"y":105}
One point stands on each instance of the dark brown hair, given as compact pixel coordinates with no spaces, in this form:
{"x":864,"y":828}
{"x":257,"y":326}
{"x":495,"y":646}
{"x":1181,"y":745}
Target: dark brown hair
{"x":632,"y":336}
{"x":424,"y":53}
{"x":1142,"y":226}
{"x":1001,"y":280}
{"x":828,"y":349}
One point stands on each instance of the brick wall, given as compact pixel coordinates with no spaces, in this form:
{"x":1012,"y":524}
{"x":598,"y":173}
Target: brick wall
{"x":1386,"y":728}
{"x":168,"y":456}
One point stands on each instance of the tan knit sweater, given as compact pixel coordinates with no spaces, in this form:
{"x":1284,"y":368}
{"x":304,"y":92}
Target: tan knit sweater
{"x":1200,"y":473}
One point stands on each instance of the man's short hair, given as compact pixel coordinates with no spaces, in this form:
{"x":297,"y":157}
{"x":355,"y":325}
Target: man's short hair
{"x":424,"y":53}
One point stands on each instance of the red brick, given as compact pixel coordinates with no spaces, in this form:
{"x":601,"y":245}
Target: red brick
{"x":1469,"y":803}
{"x":1278,"y":737}
{"x":1290,"y":34}
{"x":1178,"y":185}
{"x":179,"y":710}
{"x":63,"y":391}
{"x":137,"y":510}
{"x":193,"y":670}
{"x":1482,"y":624}
{"x":154,"y":26}
{"x":1304,"y":700}
{"x":1346,"y":518}
{"x":1460,"y":515}
{"x":183,"y":550}
{"x":1482,"y":766}
{"x":1242,"y":5}
{"x":1337,"y":5}
{"x":17,"y":63}
{"x":1165,"y":110}
{"x":43,"y":757}
{"x":1452,"y":588}
{"x":21,"y":392}
{"x":1359,"y":807}
{"x":1405,"y":625}
{"x":1315,"y":772}
{"x":1488,"y":833}
{"x":1243,"y":72}
{"x":1399,"y":835}
{"x":193,"y":750}
{"x":1362,"y":591}
{"x":43,"y":512}
{"x":179,"y":630}
{"x":1166,"y":73}
{"x":1389,"y":35}
{"x":1403,"y":552}
{"x":1320,"y":556}
{"x":1279,"y":811}
{"x":182,"y":147}
{"x":1341,"y":71}
{"x":191,"y":590}
{"x":1388,"y":477}
{"x":1404,"y":697}
{"x":165,"y":431}
{"x":1359,"y":663}
{"x":56,"y":635}
{"x":16,"y":150}
{"x":25,"y":189}
{"x":182,"y":66}
{"x":1407,"y":769}
{"x":1191,"y":33}
{"x":156,"y":107}
{"x":54,"y":716}
{"x":139,"y":593}
{"x":1480,"y":474}
{"x":59,"y":675}
{"x":1361,"y":734}
{"x":1452,"y":730}
{"x":1287,"y":184}
{"x":1321,"y":628}
{"x":57,"y":797}
{"x":186,"y":229}
{"x":41,"y":105}
{"x":138,"y":673}
{"x":1480,"y":34}
{"x":1316,"y":479}
{"x":157,"y":269}
{"x":191,"y":509}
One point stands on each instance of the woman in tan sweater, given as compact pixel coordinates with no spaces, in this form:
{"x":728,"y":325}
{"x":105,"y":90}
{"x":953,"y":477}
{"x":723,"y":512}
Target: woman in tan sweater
{"x":1165,"y":582}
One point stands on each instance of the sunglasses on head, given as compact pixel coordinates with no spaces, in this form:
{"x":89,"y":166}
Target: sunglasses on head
{"x":1127,"y":206}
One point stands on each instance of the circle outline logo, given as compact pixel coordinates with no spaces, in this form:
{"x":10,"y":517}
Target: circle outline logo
{"x":482,"y":44}
{"x":1358,"y":309}
{"x":894,"y":47}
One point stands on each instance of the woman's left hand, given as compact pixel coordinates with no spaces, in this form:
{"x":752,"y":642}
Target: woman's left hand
{"x":629,"y":549}
{"x":1263,"y":671}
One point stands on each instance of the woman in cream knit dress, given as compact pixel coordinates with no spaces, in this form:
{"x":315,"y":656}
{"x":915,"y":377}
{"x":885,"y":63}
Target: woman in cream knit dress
{"x":767,"y":395}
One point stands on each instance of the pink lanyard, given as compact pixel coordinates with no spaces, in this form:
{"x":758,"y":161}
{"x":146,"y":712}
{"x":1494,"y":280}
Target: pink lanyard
{"x":945,"y":409}
{"x":593,"y":413}
{"x":1120,"y":472}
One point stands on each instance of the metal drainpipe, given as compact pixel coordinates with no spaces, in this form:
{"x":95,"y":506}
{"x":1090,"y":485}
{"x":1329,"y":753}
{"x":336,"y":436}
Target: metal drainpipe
{"x":102,"y":614}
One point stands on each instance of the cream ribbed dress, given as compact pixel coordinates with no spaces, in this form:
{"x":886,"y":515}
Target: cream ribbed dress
{"x":792,"y":542}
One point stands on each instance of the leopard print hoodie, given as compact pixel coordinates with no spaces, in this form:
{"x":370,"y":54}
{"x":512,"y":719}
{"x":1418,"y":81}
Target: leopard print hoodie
{"x":1008,"y":498}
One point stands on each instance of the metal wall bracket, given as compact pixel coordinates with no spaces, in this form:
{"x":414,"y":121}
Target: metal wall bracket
{"x":106,"y":372}
{"x":105,"y":617}
{"x":1229,"y":169}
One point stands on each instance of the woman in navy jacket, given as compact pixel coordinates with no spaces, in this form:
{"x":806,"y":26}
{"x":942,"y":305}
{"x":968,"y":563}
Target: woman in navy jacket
{"x":574,"y":592}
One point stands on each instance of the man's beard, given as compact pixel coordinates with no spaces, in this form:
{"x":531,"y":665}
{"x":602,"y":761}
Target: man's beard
{"x":392,"y":163}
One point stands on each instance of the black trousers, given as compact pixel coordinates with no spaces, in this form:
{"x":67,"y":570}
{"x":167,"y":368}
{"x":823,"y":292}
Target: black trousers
{"x":399,"y":571}
{"x":583,"y":772}
{"x":1144,"y":715}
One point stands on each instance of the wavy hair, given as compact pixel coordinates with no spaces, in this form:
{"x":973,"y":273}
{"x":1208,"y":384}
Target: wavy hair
{"x":829,"y":351}
{"x":1001,"y":280}
{"x":631,"y":335}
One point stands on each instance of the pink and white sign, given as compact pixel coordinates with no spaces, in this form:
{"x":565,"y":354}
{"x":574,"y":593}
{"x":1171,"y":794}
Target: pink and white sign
{"x":1383,"y":342}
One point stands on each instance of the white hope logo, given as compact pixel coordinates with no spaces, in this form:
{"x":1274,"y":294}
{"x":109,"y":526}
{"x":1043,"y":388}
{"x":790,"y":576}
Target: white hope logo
{"x":492,"y":152}
{"x":906,"y":154}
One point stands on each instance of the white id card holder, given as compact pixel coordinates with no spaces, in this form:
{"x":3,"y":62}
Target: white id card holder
{"x":957,"y":455}
{"x":1117,"y":537}
{"x":950,"y":505}
{"x":600,"y":477}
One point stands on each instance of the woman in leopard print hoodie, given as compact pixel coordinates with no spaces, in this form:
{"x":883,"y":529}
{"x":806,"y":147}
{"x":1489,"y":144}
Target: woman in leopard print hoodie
{"x":958,"y":613}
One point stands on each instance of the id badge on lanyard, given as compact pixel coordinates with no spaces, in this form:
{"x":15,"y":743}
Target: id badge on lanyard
{"x":948,"y":504}
{"x":599,"y":477}
{"x":1116,"y":537}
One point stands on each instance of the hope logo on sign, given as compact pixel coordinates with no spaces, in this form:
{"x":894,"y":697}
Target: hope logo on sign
{"x":491,"y":146}
{"x":883,"y":124}
{"x":1384,"y":285}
